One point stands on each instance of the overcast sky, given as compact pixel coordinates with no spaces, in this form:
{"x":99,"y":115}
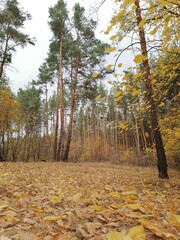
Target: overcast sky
{"x":26,"y":61}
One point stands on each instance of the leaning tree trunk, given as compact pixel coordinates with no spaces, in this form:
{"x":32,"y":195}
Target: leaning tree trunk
{"x":162,"y":162}
{"x":4,"y":55}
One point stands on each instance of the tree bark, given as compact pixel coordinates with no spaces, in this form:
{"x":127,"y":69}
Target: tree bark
{"x":4,"y":58}
{"x":61,"y":93}
{"x":47,"y":123}
{"x":73,"y":97}
{"x":56,"y":124}
{"x":162,"y":162}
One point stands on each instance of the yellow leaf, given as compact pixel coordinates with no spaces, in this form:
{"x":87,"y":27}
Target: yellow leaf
{"x":108,"y":50}
{"x":113,"y":235}
{"x":137,"y":76}
{"x":155,"y":228}
{"x":115,"y":194}
{"x":135,"y":93}
{"x":122,"y":12}
{"x":139,"y":58}
{"x":142,"y":22}
{"x":95,"y":207}
{"x":56,"y":200}
{"x":106,"y":32}
{"x":98,"y":98}
{"x":114,"y":206}
{"x":9,"y":213}
{"x":161,"y":104}
{"x":122,"y":125}
{"x":120,"y":38}
{"x":51,"y":218}
{"x":137,"y":233}
{"x":153,"y":31}
{"x":109,"y":67}
{"x":154,"y":81}
{"x":3,"y":206}
{"x":119,"y":65}
{"x":94,"y":75}
{"x":119,"y":98}
{"x":116,"y":74}
{"x":113,"y":37}
{"x":134,"y":7}
{"x":110,"y":82}
{"x":163,"y":3}
{"x":109,"y":28}
{"x":133,"y":206}
{"x":129,"y":193}
{"x":116,"y":94}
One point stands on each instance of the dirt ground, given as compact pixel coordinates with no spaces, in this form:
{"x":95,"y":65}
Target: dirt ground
{"x":57,"y":201}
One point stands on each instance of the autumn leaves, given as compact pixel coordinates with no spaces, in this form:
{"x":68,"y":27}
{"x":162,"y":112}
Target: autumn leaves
{"x":86,"y":202}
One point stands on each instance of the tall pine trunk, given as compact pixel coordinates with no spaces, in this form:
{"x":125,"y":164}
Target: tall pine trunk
{"x":70,"y":127}
{"x":162,"y":162}
{"x":61,"y":94}
{"x":56,"y":124}
{"x":47,"y":110}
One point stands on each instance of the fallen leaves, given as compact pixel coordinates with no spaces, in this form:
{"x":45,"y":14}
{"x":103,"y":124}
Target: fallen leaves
{"x":51,"y":218}
{"x":54,"y":201}
{"x":135,"y":233}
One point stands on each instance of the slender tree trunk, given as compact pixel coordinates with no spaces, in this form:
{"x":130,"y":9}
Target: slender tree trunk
{"x":104,"y":124}
{"x":144,"y":135}
{"x":47,"y":125}
{"x":70,"y":127}
{"x":61,"y":93}
{"x":162,"y":162}
{"x":56,"y":124}
{"x":137,"y":137}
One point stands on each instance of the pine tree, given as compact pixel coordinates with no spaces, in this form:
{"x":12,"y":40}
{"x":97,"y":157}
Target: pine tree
{"x":12,"y":19}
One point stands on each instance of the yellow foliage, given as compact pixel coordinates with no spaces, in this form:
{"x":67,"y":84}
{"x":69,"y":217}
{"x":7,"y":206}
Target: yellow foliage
{"x":8,"y":110}
{"x":139,"y":58}
{"x":109,"y":50}
{"x":94,"y":75}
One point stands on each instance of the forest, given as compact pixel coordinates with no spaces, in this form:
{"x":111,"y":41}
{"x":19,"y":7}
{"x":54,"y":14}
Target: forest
{"x":126,"y":121}
{"x":86,"y":116}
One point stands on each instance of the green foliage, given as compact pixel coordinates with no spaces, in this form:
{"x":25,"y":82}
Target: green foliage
{"x":12,"y":19}
{"x":58,"y":16}
{"x":30,"y":104}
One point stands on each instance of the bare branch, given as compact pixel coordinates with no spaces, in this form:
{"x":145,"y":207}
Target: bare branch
{"x":123,"y":51}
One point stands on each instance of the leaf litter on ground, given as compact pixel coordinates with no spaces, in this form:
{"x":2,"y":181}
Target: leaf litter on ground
{"x":56,"y":201}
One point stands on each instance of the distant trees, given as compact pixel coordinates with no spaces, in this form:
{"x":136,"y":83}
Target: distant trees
{"x":75,"y":52}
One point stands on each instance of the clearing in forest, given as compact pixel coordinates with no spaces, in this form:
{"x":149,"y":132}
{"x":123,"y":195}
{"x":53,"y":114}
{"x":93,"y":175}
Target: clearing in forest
{"x":56,"y":201}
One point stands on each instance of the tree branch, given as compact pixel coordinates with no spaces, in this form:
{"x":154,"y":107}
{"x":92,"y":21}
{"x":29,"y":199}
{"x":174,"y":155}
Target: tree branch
{"x":123,"y":51}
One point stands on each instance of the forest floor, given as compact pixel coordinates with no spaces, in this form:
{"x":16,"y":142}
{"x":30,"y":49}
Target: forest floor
{"x":56,"y":201}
